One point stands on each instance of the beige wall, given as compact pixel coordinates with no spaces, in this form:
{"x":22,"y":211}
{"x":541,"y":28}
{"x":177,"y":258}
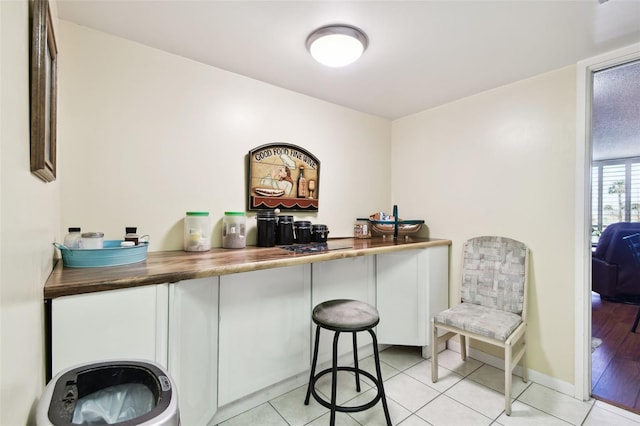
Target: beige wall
{"x":503,"y":163}
{"x":140,"y":127}
{"x":29,"y":223}
{"x":147,"y":135}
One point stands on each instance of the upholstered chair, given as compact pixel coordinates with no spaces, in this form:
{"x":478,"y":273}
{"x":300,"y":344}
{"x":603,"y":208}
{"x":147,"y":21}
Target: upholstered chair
{"x":493,"y":308}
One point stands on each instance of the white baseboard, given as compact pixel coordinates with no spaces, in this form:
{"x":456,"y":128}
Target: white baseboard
{"x":535,"y":376}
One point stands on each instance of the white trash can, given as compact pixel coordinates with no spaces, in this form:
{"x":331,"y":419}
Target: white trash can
{"x":119,"y":392}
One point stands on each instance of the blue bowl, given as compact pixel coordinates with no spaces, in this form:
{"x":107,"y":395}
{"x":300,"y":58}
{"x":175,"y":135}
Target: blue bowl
{"x":111,"y":255}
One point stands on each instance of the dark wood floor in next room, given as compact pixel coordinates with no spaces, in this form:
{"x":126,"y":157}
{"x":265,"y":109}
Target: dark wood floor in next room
{"x":616,"y":362}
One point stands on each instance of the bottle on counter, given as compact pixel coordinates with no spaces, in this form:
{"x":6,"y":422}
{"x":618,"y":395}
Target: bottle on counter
{"x":233,"y":230}
{"x":302,"y":184}
{"x":131,"y":235}
{"x":361,"y":229}
{"x":197,"y":232}
{"x":72,"y":239}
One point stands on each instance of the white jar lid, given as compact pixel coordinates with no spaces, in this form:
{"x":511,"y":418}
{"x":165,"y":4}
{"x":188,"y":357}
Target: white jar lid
{"x":93,"y":235}
{"x":127,"y":244}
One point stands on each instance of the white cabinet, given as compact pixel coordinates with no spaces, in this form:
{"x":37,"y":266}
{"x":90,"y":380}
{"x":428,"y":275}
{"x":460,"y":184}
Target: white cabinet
{"x":412,"y":286}
{"x":350,"y":278}
{"x":193,"y":347}
{"x":129,"y":323}
{"x":225,"y":338}
{"x":264,"y":332}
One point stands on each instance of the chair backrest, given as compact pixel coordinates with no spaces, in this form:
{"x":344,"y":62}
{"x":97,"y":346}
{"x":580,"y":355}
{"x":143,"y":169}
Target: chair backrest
{"x":495,"y":273}
{"x":633,"y":241}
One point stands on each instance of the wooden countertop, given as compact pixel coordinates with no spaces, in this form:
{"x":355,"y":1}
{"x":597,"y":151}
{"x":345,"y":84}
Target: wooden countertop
{"x":172,"y":266}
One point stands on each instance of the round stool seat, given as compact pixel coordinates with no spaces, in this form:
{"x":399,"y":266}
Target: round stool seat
{"x":345,"y":315}
{"x":349,"y":316}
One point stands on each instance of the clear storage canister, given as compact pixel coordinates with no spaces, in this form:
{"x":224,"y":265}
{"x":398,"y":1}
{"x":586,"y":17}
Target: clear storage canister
{"x":233,"y":230}
{"x":361,"y":229}
{"x":197,"y":231}
{"x":92,"y":240}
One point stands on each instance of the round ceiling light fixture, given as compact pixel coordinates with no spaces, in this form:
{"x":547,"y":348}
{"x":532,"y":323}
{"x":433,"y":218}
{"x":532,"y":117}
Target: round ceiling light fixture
{"x":337,"y":45}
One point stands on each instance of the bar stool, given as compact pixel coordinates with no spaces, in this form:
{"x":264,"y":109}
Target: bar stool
{"x":349,"y":316}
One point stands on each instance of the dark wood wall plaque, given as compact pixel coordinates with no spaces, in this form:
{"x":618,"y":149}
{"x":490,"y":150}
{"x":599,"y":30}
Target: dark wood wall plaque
{"x":283,"y":176}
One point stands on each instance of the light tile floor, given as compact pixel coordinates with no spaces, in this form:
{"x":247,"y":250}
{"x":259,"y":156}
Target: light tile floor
{"x":467,"y":393}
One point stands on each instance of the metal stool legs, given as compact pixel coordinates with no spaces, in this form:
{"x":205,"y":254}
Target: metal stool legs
{"x":313,"y":365}
{"x":355,"y":361}
{"x":334,"y":380}
{"x":376,"y":356}
{"x":333,"y":405}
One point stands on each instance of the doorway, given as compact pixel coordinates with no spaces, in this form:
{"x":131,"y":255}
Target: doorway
{"x":583,"y":222}
{"x":615,"y":197}
{"x":601,"y":137}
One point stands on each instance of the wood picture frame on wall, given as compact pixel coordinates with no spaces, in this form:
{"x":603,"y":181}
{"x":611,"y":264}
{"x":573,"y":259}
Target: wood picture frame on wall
{"x":44,"y":92}
{"x":283,"y":176}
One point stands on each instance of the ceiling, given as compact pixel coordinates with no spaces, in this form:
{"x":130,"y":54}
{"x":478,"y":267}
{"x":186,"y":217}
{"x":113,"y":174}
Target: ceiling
{"x":421,"y":53}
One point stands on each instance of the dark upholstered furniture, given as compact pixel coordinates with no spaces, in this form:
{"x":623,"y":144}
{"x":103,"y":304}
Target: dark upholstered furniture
{"x":615,"y":272}
{"x":633,"y":241}
{"x":348,"y":316}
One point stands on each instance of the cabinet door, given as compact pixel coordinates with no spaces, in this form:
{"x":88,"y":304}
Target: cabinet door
{"x":193,"y":347}
{"x":412,"y":286}
{"x":264,"y":329}
{"x":350,"y":278}
{"x":118,"y":324}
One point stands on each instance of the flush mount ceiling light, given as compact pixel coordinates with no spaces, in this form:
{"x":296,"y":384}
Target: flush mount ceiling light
{"x":337,"y":45}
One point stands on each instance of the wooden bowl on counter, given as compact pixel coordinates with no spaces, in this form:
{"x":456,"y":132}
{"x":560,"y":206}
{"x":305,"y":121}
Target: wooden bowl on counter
{"x":387,"y":227}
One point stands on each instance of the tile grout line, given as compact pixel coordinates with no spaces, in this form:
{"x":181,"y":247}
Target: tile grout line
{"x":393,"y":372}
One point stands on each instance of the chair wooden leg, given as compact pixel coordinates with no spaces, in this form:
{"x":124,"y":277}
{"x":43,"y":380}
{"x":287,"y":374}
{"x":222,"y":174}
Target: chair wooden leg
{"x":507,"y":379}
{"x":463,"y":347}
{"x":525,"y":374}
{"x":434,"y":352}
